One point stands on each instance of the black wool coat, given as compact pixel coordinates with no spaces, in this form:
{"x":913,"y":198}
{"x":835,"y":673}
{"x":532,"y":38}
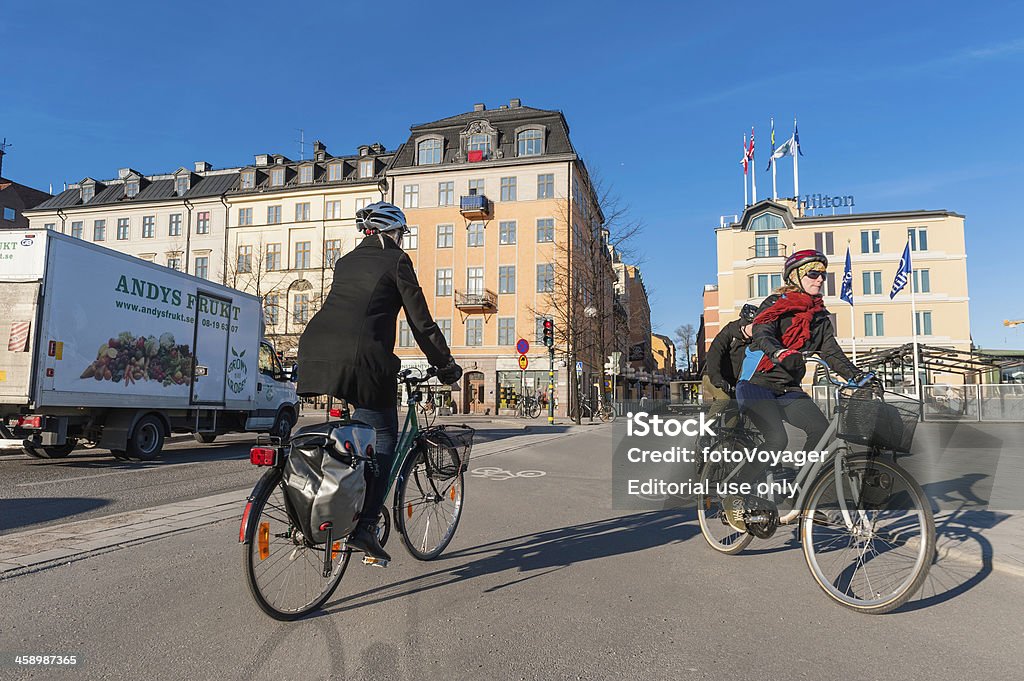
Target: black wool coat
{"x":348,"y":347}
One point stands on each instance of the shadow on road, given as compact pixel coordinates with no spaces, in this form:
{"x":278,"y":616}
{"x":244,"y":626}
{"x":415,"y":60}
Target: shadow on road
{"x":16,"y":513}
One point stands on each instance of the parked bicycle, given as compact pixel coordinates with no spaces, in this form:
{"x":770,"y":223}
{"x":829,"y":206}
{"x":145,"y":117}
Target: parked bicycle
{"x":603,"y":411}
{"x":428,"y":411}
{"x":289,"y":575}
{"x":527,"y":406}
{"x":865,"y":525}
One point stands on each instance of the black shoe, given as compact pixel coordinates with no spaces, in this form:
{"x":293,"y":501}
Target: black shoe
{"x":365,"y":539}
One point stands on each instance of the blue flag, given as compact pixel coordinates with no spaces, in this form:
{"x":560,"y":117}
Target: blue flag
{"x":796,"y":139}
{"x":902,"y":273}
{"x":846,"y":291}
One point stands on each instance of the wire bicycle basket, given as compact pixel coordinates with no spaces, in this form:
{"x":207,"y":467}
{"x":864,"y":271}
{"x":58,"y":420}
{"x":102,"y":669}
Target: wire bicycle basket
{"x":447,"y":450}
{"x":866,"y":419}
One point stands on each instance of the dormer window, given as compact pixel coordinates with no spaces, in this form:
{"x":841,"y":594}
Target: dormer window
{"x":131,"y":188}
{"x":766,"y":222}
{"x":88,"y":192}
{"x":480,"y":143}
{"x":428,"y":152}
{"x":366,"y":168}
{"x":335,"y":172}
{"x":277,"y":177}
{"x":248,"y":180}
{"x":181,"y":184}
{"x":306,"y":175}
{"x":530,"y":142}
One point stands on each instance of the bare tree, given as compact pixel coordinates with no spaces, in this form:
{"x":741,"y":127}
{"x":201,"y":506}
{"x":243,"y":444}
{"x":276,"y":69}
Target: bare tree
{"x":253,"y":272}
{"x":685,"y":338}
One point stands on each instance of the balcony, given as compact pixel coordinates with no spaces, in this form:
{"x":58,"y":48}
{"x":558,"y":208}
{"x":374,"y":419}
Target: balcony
{"x":475,"y":206}
{"x":770,"y":250}
{"x":485,"y":301}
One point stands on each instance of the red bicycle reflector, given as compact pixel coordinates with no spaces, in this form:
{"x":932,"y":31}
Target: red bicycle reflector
{"x":30,"y":421}
{"x":335,"y":413}
{"x":245,"y":521}
{"x":262,"y":456}
{"x":348,"y":447}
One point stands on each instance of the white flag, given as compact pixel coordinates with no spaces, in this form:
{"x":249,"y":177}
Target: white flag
{"x":787,"y":148}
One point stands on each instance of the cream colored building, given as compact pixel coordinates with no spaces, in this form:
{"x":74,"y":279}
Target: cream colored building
{"x":753,"y":250}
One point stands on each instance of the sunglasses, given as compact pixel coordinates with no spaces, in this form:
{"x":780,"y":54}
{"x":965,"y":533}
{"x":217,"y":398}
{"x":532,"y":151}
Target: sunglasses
{"x":815,"y":274}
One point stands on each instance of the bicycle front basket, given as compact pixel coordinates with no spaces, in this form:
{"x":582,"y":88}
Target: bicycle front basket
{"x":867,"y":420}
{"x":447,"y":450}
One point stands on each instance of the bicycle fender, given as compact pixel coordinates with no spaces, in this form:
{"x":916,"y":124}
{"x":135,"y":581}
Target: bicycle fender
{"x":271,"y":477}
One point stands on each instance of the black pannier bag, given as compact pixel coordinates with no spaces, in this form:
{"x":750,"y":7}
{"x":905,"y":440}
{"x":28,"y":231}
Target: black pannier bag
{"x":323,"y":479}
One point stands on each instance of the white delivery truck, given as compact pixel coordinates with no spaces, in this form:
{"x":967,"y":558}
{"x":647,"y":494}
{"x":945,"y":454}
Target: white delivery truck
{"x":98,"y":347}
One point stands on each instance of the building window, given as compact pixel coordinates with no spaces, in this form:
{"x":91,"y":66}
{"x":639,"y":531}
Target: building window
{"x":764,"y":222}
{"x":412,"y":239}
{"x":404,"y":334}
{"x":446,"y":193}
{"x":445,"y":325}
{"x":530,"y":143}
{"x":508,"y":189}
{"x":428,"y":152}
{"x":88,"y":192}
{"x":203,"y":222}
{"x":870,"y":241}
{"x":122,"y":229}
{"x":76,"y":230}
{"x":306,"y":175}
{"x":273,"y":257}
{"x":244,"y":216}
{"x":244,"y":259}
{"x":335,"y":172}
{"x":202,"y":268}
{"x":366,"y":168}
{"x":480,"y":142}
{"x":362,"y":203}
{"x":174,"y":225}
{"x":277,"y":177}
{"x":333,"y":210}
{"x":918,"y":238}
{"x":445,"y":236}
{"x":874,"y":324}
{"x":545,"y":230}
{"x":131,"y":188}
{"x":411,"y":196}
{"x":181,"y":185}
{"x":507,"y":279}
{"x":761,"y":285}
{"x":302,"y":251}
{"x":174,"y":262}
{"x":872,"y":283}
{"x":507,"y":232}
{"x":546,"y":186}
{"x":99,"y":230}
{"x":824,"y":242}
{"x":332,"y":251}
{"x":248,"y":180}
{"x":475,"y":280}
{"x":273,"y":215}
{"x":271,"y":307}
{"x":538,"y":335}
{"x":148,"y":226}
{"x":829,"y":289}
{"x":475,"y":231}
{"x":301,"y":212}
{"x":922,"y":281}
{"x":476,"y":187}
{"x":923,"y":323}
{"x":766,"y":247}
{"x":506,"y":331}
{"x":443,"y":282}
{"x":300,"y":308}
{"x":545,"y":278}
{"x":474,"y":331}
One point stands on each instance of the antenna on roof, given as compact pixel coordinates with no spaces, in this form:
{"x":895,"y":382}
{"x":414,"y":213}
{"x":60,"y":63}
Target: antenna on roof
{"x":4,"y":146}
{"x":302,"y":144}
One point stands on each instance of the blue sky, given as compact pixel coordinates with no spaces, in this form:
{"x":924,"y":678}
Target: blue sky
{"x":904,"y":105}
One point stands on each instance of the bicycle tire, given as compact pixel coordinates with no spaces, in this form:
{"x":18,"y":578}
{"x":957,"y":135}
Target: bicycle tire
{"x":815,"y":517}
{"x":291,"y":549}
{"x":534,"y":410}
{"x":417,"y":496}
{"x":710,"y":512}
{"x":427,"y":417}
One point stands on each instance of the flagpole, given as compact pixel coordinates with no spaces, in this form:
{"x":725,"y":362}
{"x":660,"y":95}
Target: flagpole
{"x":753,"y":168}
{"x":796,"y":163}
{"x":913,"y":325}
{"x":745,"y":193}
{"x":775,"y":194}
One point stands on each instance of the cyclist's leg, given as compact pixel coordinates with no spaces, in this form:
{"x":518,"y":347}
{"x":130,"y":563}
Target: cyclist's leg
{"x":801,"y":411}
{"x":763,"y":408}
{"x":385,"y":422}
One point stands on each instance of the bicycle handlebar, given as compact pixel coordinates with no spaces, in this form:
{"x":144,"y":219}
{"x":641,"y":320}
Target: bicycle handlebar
{"x":406,"y":377}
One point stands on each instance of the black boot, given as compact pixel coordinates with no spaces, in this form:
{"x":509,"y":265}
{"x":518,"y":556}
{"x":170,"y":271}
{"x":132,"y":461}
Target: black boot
{"x":365,"y":539}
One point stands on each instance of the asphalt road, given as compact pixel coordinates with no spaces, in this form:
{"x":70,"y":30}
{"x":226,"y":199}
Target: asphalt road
{"x":542,"y":581}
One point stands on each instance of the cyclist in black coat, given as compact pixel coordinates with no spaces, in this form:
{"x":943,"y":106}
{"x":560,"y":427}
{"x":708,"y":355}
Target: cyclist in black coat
{"x":347,"y":349}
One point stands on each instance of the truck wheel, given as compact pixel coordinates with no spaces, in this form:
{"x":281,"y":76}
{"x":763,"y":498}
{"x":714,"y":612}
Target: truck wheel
{"x":205,"y":438}
{"x":147,"y":439}
{"x":53,"y":452}
{"x":283,"y":425}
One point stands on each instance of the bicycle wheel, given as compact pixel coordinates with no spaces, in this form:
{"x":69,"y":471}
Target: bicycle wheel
{"x":426,"y":510}
{"x":534,"y":410}
{"x":607,"y":414}
{"x":284,"y":572}
{"x":876,"y":565}
{"x":427,"y":416}
{"x":719,"y":534}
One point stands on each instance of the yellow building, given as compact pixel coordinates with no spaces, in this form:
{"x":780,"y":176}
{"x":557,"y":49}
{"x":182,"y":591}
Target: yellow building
{"x":752,"y":251}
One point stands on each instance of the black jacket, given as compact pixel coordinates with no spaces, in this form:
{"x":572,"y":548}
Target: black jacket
{"x":347,"y":349}
{"x":725,"y":356}
{"x":768,"y":339}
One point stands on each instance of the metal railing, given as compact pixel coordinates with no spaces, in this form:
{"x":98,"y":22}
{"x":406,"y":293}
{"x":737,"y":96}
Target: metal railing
{"x":767,"y":251}
{"x":955,"y":403}
{"x":484,"y":300}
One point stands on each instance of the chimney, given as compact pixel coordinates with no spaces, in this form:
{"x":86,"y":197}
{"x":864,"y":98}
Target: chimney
{"x":123,"y":173}
{"x":319,"y":151}
{"x":364,"y":150}
{"x":515,"y":103}
{"x":479,"y":107}
{"x":262,"y":159}
{"x":203,"y":166}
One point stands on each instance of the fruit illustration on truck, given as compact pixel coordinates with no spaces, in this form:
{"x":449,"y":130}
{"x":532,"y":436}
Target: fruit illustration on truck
{"x":129,"y":359}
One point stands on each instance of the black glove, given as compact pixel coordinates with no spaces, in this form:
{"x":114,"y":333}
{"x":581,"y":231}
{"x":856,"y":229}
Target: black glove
{"x":449,"y":373}
{"x":792,"y":361}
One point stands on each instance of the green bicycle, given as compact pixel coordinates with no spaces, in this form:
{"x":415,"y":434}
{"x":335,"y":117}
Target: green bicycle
{"x":290,"y":576}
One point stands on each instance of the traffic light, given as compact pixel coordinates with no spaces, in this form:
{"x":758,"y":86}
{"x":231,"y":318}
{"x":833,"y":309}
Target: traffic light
{"x":549,"y":333}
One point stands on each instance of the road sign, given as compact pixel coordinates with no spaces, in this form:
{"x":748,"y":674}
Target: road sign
{"x":579,"y":367}
{"x":523,"y":362}
{"x":522,"y":346}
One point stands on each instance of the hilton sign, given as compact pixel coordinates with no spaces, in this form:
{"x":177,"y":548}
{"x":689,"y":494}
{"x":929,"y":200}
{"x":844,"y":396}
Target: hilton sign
{"x":818,"y":201}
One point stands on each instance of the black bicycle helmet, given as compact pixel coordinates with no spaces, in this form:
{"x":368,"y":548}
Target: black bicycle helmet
{"x":380,"y":217}
{"x":748,"y":313}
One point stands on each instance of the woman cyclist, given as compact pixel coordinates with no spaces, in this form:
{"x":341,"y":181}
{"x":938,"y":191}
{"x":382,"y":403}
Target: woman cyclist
{"x":789,"y":323}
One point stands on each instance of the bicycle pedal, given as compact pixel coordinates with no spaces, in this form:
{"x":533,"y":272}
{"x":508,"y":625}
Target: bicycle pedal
{"x":376,"y":562}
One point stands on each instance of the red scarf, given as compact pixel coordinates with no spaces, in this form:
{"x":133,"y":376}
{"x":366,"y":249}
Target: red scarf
{"x":803,"y":307}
